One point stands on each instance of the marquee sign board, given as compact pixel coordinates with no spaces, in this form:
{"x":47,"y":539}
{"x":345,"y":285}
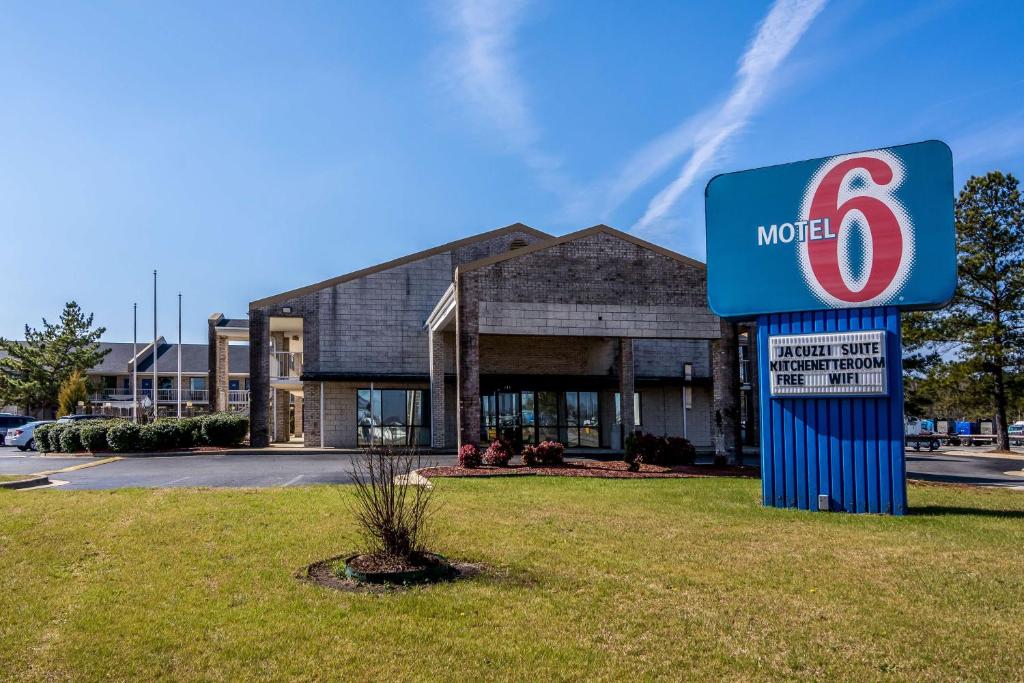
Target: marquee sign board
{"x":840,"y":364}
{"x":855,"y":230}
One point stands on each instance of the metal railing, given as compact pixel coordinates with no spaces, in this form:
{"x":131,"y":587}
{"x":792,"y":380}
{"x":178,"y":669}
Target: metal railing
{"x":238,"y":396}
{"x":285,"y":365}
{"x":163,"y":395}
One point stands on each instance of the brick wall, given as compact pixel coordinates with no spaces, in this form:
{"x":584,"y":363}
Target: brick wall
{"x":596,"y":285}
{"x":340,"y":409}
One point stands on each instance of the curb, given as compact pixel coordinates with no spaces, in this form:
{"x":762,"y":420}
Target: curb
{"x":31,"y":482}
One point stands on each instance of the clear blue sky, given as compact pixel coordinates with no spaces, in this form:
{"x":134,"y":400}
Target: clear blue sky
{"x":247,"y":148}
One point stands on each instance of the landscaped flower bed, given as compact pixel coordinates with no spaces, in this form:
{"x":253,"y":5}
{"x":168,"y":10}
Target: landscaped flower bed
{"x":616,"y":469}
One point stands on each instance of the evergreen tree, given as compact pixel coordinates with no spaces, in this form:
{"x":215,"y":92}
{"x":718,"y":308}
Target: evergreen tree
{"x":984,"y":324}
{"x":75,"y":390}
{"x":33,"y":370}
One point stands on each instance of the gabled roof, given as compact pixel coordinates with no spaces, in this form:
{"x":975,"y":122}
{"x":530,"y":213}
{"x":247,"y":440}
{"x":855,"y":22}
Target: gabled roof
{"x":450,"y":246}
{"x":579,"y":234}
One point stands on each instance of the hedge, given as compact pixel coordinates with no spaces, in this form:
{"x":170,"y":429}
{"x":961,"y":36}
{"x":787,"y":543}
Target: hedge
{"x":124,"y":436}
{"x":41,"y":437}
{"x":93,"y":434}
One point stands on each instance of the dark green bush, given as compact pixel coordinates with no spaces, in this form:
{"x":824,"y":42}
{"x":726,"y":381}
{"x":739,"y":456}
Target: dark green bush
{"x":192,"y":431}
{"x":658,"y":450}
{"x":162,"y":435}
{"x":42,"y":438}
{"x":123,"y":436}
{"x":54,"y":436}
{"x":93,"y":434}
{"x":71,"y":438}
{"x":225,"y":429}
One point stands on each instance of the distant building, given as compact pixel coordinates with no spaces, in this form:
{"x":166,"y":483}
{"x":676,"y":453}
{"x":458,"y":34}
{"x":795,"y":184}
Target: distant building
{"x":110,"y":382}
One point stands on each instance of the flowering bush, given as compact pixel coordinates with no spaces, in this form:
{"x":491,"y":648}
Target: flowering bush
{"x":498,"y":453}
{"x":469,"y":456}
{"x":544,"y":454}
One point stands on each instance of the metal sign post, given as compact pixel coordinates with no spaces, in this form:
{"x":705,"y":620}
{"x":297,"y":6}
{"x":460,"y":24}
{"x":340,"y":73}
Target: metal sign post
{"x":824,"y":254}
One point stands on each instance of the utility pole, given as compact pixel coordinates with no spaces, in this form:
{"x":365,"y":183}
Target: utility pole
{"x":135,"y":362}
{"x":178,"y":392}
{"x":156,"y":380}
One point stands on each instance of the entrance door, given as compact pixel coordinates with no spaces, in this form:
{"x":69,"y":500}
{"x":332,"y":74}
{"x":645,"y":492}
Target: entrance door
{"x":509,"y":426}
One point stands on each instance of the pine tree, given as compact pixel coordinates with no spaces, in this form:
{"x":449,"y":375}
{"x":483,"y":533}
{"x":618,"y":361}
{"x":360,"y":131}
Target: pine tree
{"x":33,"y":370}
{"x":984,"y":324}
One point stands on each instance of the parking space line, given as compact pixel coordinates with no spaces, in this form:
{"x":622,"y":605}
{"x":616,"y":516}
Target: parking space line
{"x":293,"y":480}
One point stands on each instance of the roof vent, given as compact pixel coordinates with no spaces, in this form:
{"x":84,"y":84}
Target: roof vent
{"x":517,"y":243}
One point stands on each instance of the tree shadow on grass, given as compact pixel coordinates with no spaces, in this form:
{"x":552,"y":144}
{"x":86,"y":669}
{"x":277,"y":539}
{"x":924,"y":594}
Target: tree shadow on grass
{"x":944,"y":510}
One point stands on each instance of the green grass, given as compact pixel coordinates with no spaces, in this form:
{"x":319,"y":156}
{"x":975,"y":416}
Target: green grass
{"x":592,"y":579}
{"x":13,"y":477}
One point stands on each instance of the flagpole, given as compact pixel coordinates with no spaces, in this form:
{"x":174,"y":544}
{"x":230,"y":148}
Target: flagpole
{"x":156,"y":379}
{"x":135,"y":362}
{"x":178,"y":393}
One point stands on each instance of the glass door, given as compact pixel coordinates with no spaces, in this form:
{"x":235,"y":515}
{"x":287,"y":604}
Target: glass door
{"x":509,"y":420}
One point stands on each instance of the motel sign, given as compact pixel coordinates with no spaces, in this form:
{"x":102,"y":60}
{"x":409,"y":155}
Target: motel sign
{"x":824,"y":254}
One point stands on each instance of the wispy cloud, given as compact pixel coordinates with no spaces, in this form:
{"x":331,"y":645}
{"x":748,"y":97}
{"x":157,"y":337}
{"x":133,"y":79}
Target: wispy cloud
{"x":480,"y":65}
{"x":777,"y":35}
{"x":995,"y":142}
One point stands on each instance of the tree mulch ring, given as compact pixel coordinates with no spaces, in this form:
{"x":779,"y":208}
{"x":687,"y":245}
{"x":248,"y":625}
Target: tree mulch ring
{"x":615,"y":469}
{"x":326,"y":573}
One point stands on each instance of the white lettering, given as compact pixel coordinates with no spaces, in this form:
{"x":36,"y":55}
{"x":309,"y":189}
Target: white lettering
{"x":770,"y":236}
{"x":782,"y":233}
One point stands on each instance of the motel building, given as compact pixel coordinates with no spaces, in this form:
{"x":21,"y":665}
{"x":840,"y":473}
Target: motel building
{"x":511,"y":333}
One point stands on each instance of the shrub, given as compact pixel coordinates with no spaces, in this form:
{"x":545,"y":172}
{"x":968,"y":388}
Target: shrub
{"x":391,"y":513}
{"x":160,"y":435}
{"x":720,"y":460}
{"x":70,"y":438}
{"x":658,"y":450}
{"x":191,"y":429}
{"x":53,"y":440}
{"x":544,"y":454}
{"x":41,"y":436}
{"x":498,"y":453}
{"x":123,"y":436}
{"x":225,"y":429}
{"x":469,"y":456}
{"x":678,"y":451}
{"x":93,"y":434}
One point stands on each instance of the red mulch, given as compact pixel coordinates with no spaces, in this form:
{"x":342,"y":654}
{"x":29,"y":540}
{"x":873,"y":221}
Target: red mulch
{"x":615,"y":469}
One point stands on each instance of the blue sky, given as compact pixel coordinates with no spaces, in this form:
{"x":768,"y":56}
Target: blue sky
{"x":247,"y":148}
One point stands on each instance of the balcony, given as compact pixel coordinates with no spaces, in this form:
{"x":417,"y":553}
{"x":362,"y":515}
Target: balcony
{"x":285,"y":367}
{"x":238,"y":397}
{"x":163,"y":395}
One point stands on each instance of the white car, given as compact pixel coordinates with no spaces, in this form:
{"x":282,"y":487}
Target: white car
{"x":22,"y":436}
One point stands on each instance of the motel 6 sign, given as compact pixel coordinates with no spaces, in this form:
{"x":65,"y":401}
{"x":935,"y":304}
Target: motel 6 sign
{"x":855,"y":230}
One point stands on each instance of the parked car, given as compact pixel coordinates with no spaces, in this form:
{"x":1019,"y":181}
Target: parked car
{"x":9,"y":421}
{"x":78,"y":418}
{"x":24,"y":436}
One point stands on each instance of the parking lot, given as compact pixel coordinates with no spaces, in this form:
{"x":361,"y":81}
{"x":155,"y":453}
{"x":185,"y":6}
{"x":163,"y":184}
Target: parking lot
{"x":294,"y":468}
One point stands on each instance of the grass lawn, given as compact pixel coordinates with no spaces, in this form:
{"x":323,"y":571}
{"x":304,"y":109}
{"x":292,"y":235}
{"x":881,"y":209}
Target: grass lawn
{"x":13,"y":477}
{"x":606,"y":579}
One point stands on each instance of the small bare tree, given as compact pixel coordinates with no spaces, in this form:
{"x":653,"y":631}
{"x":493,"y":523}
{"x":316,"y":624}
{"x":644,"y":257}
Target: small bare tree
{"x":391,"y":511}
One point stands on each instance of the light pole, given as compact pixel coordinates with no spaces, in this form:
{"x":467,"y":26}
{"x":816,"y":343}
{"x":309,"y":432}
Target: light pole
{"x":178,"y":392}
{"x":156,"y":380}
{"x":135,"y":362}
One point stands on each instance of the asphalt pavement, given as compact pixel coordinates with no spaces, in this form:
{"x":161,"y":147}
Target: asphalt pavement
{"x":292,"y":467}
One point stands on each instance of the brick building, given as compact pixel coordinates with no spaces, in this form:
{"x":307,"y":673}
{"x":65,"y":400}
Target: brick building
{"x":512,"y":333}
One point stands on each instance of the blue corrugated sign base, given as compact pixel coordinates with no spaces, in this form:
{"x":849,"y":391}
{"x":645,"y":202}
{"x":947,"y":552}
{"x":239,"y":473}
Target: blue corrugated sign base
{"x":850,"y":449}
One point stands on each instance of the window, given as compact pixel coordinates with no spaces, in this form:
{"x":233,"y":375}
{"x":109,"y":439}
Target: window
{"x":392,"y":417}
{"x":197,"y":383}
{"x":529,"y":417}
{"x":637,"y":403}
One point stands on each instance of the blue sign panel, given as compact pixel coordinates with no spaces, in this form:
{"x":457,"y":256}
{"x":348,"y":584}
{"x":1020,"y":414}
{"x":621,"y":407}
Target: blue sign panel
{"x":855,"y":230}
